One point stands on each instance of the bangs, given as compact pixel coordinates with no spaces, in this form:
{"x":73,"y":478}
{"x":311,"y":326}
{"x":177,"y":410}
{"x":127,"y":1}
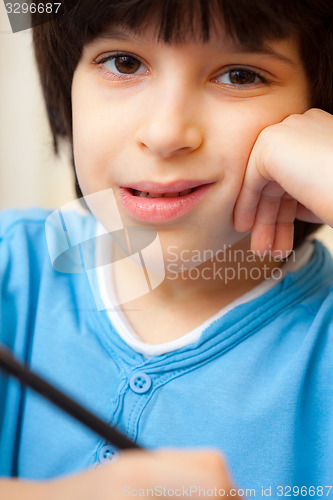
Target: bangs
{"x":174,"y":21}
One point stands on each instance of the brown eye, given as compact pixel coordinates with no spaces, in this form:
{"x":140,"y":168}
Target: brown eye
{"x":126,"y":64}
{"x":242,"y":77}
{"x":122,"y":64}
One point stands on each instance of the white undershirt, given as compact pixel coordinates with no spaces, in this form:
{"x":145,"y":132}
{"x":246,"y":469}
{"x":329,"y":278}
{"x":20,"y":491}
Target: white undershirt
{"x":118,"y":319}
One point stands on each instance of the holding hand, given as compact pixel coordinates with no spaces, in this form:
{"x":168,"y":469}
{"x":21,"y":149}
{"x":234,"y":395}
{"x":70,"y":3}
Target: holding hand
{"x":289,"y":175}
{"x":140,"y":470}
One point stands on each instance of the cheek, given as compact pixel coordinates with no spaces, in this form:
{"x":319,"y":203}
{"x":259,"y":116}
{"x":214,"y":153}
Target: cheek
{"x":239,"y":129}
{"x":90,"y":130}
{"x":94,"y":139}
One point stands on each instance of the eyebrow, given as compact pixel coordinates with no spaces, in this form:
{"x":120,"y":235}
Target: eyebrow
{"x":116,"y":33}
{"x":264,"y":50}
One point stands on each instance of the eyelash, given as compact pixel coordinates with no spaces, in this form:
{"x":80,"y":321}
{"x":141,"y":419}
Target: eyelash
{"x":120,"y":76}
{"x":244,"y":69}
{"x":114,"y":55}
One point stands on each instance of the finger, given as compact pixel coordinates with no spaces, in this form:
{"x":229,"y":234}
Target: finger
{"x":263,"y":230}
{"x":284,"y":228}
{"x":306,"y":215}
{"x":283,"y":241}
{"x":262,"y":238}
{"x":245,"y":208}
{"x":254,"y":183}
{"x":273,"y":228}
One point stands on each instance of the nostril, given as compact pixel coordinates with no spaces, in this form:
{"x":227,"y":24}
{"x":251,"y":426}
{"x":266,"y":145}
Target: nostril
{"x":186,"y":149}
{"x":168,"y":141}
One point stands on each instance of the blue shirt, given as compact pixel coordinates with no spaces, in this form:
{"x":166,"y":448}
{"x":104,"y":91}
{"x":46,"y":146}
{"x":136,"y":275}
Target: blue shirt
{"x":257,"y":385}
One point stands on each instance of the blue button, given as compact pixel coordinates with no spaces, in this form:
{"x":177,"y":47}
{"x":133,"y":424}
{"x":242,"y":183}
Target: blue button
{"x":140,"y":382}
{"x":107,"y":453}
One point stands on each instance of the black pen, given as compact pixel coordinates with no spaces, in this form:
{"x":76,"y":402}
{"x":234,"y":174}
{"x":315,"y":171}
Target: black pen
{"x":27,"y":377}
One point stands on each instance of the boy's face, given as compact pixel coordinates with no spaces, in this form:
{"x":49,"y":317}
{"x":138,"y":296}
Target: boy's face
{"x":145,"y":111}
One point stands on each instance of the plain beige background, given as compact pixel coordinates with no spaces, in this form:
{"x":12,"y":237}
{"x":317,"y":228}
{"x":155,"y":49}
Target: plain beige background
{"x":29,"y":172}
{"x":30,"y":175}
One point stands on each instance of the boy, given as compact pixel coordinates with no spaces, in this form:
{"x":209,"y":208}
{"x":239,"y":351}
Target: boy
{"x":201,"y":133}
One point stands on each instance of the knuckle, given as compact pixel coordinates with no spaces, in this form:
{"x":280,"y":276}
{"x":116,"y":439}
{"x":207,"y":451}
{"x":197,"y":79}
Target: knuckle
{"x":292,"y":120}
{"x":313,"y":112}
{"x":269,"y":135}
{"x":265,"y":133}
{"x":216,"y":462}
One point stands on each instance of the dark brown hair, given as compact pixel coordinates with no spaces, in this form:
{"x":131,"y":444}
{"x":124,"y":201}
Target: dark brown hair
{"x":58,"y":44}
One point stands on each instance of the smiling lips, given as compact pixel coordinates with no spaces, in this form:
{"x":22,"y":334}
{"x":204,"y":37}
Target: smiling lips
{"x":152,"y":202}
{"x":144,"y":194}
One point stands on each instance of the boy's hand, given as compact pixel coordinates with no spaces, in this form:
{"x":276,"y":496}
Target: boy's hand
{"x":289,"y":175}
{"x":167,"y":470}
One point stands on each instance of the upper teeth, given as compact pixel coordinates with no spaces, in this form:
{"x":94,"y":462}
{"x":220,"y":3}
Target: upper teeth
{"x":161,"y":195}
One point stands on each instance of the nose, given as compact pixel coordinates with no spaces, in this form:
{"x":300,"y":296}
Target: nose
{"x":169,"y":126}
